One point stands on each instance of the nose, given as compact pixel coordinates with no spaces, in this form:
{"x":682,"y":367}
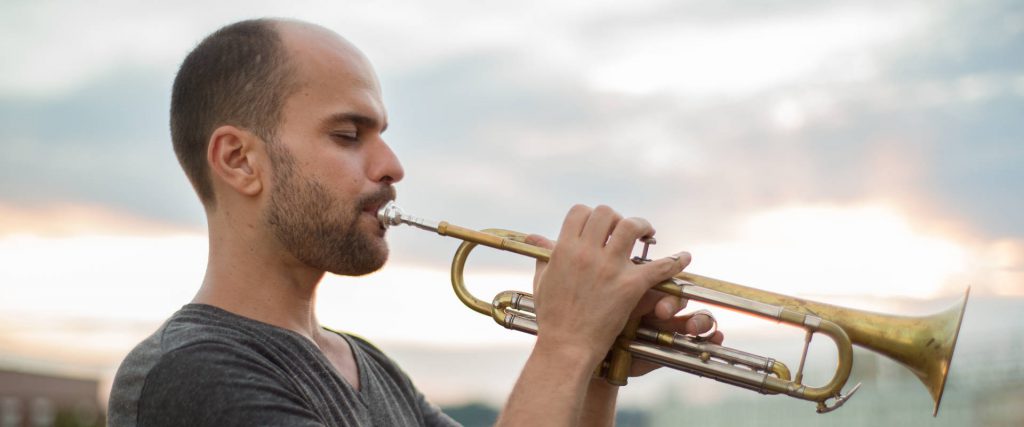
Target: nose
{"x":384,"y":165}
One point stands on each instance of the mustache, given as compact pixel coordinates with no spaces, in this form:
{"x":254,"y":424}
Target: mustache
{"x":378,"y":198}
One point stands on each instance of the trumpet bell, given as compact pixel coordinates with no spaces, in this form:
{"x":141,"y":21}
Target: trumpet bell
{"x":924,"y":345}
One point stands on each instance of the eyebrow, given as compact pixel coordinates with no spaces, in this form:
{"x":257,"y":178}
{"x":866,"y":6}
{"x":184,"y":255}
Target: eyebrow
{"x":357,"y":119}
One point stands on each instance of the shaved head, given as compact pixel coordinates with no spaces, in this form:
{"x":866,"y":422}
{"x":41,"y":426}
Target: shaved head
{"x":242,"y":75}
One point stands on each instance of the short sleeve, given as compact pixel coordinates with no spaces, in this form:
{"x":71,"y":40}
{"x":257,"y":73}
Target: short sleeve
{"x":214,"y":384}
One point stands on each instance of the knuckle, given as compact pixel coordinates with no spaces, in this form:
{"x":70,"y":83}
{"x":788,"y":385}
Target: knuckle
{"x":579,"y":258}
{"x":606,"y":210}
{"x":636,"y":225}
{"x":629,"y":224}
{"x":579,"y":209}
{"x":670,"y":266}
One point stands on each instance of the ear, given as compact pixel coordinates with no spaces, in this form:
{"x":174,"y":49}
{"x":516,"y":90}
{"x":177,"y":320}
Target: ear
{"x":234,"y":156}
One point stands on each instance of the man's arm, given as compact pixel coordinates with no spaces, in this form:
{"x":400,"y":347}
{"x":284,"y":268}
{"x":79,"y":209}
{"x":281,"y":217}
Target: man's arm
{"x":599,"y":405}
{"x":550,"y":390}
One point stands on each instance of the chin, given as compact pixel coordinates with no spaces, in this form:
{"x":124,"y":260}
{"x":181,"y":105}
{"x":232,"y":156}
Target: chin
{"x":361,"y":270}
{"x":370,"y":260}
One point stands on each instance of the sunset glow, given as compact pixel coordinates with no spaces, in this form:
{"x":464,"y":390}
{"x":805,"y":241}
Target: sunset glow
{"x":829,"y":250}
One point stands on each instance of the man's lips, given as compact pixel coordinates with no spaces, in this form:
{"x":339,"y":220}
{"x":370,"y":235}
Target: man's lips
{"x":373,"y":208}
{"x":373,"y":203}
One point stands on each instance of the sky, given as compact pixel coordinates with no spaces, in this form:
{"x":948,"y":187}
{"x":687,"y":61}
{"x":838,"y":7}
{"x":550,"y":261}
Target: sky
{"x":856,"y":151}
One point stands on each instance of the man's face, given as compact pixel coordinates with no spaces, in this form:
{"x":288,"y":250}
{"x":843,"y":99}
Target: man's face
{"x":331,"y":168}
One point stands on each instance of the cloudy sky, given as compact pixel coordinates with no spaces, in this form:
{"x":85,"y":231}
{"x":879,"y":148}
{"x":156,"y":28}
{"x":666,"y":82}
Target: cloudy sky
{"x":854,"y":150}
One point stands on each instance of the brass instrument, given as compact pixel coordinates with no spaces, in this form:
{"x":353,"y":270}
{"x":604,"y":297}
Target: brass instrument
{"x":924,"y":345}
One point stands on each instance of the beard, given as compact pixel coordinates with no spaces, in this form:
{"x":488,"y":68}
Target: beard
{"x":317,"y":228}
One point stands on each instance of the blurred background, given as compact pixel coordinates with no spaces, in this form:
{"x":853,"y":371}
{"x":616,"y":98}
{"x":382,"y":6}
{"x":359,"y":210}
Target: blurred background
{"x":863,"y":153}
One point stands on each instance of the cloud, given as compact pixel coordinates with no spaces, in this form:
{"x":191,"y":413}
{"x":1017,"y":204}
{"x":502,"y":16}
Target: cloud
{"x":104,"y":144}
{"x":497,"y":120}
{"x":736,"y":57}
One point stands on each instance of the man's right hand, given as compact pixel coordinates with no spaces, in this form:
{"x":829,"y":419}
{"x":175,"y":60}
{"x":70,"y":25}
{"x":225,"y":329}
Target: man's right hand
{"x":590,"y":287}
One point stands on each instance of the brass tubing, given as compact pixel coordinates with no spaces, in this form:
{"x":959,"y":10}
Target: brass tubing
{"x":923,"y":344}
{"x":459,"y":285}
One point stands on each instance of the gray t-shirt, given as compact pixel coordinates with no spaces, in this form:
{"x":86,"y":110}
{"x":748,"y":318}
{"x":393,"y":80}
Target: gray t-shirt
{"x":208,"y":367}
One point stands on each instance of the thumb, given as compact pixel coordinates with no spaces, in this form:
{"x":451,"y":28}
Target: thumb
{"x":663,"y":269}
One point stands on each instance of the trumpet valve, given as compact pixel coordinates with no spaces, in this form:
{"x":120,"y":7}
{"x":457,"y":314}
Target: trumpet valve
{"x":647,"y":241}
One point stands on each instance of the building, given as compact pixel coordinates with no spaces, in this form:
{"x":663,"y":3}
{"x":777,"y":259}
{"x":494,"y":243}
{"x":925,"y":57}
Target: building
{"x":34,"y":399}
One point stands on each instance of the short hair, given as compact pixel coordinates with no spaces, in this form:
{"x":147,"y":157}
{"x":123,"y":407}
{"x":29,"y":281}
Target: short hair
{"x":240,"y":76}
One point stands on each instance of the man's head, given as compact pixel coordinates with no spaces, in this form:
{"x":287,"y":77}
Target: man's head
{"x":290,"y":138}
{"x":239,"y":75}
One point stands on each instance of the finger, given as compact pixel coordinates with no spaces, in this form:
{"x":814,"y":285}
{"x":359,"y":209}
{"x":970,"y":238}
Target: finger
{"x":627,"y":232}
{"x":700,"y":323}
{"x":668,"y":306}
{"x":599,"y":225}
{"x":541,"y":242}
{"x":685,"y":325}
{"x":647,"y":303}
{"x":642,"y":367}
{"x":695,"y":323}
{"x":574,"y":221}
{"x":660,"y":270}
{"x":655,"y":272}
{"x":676,"y":324}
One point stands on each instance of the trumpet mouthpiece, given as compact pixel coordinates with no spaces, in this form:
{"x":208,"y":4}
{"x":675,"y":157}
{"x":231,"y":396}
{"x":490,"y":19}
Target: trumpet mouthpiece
{"x":390,"y":214}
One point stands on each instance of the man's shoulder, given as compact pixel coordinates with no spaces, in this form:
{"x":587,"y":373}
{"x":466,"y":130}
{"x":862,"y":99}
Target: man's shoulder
{"x":197,"y":345}
{"x":192,"y":325}
{"x":206,"y":331}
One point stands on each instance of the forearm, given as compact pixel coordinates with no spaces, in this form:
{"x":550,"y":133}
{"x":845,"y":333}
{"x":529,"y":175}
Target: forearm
{"x":599,"y":404}
{"x":550,"y":390}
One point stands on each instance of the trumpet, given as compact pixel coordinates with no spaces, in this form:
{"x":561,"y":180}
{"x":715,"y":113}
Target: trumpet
{"x":924,"y":344}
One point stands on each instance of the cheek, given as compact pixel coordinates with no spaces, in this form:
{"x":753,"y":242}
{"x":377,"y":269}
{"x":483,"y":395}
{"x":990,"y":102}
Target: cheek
{"x":343,"y":179}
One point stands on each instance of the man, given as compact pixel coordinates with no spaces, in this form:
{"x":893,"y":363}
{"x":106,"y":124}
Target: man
{"x":278,"y":125}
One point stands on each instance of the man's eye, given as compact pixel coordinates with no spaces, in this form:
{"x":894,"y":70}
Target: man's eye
{"x":345,"y":136}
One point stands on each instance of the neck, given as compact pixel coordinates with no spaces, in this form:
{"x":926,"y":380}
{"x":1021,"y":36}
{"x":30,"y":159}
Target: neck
{"x":248,"y":274}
